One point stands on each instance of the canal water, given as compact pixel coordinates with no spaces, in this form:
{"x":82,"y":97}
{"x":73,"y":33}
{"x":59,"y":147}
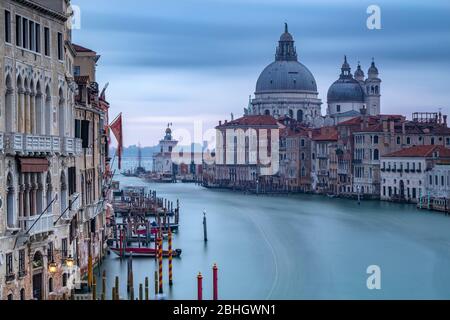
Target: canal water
{"x":297,"y":247}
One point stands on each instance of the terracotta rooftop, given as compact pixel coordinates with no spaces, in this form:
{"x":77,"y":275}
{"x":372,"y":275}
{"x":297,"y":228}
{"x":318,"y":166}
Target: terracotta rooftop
{"x":423,"y":151}
{"x":325,"y":134}
{"x":79,"y":48}
{"x":251,"y":120}
{"x":372,"y":119}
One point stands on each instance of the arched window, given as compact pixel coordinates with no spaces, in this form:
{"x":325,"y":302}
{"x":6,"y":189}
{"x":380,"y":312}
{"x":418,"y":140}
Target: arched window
{"x":39,"y":113}
{"x":26,"y":111}
{"x":267,"y":112}
{"x":31,"y":114}
{"x":19,"y":101}
{"x":10,"y":202}
{"x":300,"y":116}
{"x":376,"y":154}
{"x":64,"y":280}
{"x":63,"y":192}
{"x":50,"y":285}
{"x":10,"y":297}
{"x":49,"y":194}
{"x":291,"y":114}
{"x":22,"y":294}
{"x":48,"y":112}
{"x":376,"y":89}
{"x":10,"y":110}
{"x":398,"y":140}
{"x":62,"y":114}
{"x":39,"y":194}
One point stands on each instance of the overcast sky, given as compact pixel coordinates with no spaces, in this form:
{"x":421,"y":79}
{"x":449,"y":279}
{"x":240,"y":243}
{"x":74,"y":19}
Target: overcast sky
{"x":184,"y":60}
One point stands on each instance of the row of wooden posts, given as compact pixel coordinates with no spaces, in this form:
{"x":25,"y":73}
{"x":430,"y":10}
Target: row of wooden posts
{"x":144,"y":289}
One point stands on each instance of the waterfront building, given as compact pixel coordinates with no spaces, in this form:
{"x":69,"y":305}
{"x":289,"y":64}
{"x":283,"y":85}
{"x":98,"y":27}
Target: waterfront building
{"x":89,"y":199}
{"x":286,"y":87}
{"x":438,"y":186}
{"x":238,"y":161}
{"x":162,"y":161}
{"x":298,"y":160}
{"x":389,"y":133}
{"x":38,"y":148}
{"x":404,"y":173}
{"x":324,"y":160}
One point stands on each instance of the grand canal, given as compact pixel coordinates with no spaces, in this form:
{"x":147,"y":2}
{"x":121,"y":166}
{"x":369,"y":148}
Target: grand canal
{"x":298,"y":247}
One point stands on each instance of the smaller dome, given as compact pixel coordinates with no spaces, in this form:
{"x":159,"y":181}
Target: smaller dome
{"x":168,"y":131}
{"x":346,"y":90}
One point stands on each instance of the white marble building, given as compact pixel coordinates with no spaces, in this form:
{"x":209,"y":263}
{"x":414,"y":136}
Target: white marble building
{"x":404,"y":173}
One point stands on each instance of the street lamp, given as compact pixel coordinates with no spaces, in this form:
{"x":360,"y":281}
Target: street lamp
{"x":52,"y":267}
{"x":70,"y":261}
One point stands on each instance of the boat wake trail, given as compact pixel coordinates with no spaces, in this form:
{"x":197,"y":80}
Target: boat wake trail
{"x":272,"y":251}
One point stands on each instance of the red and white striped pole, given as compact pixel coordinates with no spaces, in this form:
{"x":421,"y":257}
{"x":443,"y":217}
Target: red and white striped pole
{"x":199,"y":286}
{"x":215,"y":280}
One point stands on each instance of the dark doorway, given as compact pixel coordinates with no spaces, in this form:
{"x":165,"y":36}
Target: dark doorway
{"x":37,"y":286}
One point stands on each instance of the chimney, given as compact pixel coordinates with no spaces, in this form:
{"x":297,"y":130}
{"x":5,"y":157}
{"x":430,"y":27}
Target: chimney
{"x":403,"y":128}
{"x":220,"y":123}
{"x":226,"y":121}
{"x":363,"y":112}
{"x":445,"y":120}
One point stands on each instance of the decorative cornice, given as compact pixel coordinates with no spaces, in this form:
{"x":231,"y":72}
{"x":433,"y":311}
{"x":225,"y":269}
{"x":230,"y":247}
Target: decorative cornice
{"x":31,"y":4}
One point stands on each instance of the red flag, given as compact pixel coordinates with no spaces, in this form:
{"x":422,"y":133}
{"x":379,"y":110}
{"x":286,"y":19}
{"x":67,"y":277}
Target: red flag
{"x":116,"y":128}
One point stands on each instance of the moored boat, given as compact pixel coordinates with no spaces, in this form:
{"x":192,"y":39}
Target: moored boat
{"x":143,"y":252}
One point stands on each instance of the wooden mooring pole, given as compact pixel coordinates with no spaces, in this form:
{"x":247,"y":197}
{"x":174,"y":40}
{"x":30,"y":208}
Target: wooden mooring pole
{"x":199,"y":286}
{"x":170,"y":258}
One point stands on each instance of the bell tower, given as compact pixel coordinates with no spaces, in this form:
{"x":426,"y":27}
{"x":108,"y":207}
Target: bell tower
{"x":373,"y":91}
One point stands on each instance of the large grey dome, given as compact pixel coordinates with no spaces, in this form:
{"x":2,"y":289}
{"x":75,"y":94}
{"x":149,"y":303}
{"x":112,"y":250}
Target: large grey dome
{"x":286,"y":76}
{"x":346,"y":90}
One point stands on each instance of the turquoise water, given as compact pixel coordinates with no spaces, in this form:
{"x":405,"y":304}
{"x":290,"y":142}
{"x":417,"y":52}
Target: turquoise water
{"x":298,"y":247}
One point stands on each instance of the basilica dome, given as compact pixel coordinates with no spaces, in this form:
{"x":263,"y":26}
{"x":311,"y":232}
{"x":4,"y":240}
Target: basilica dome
{"x":286,"y":76}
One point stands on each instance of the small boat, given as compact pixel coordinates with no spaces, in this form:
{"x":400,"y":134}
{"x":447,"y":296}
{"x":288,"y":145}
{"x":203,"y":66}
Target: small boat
{"x":143,"y":252}
{"x":331,"y":195}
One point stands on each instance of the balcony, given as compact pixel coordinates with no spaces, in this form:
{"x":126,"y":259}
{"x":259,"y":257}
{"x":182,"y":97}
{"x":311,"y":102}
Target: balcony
{"x":43,"y":225}
{"x":72,"y":146}
{"x":24,"y":144}
{"x":357,"y":161}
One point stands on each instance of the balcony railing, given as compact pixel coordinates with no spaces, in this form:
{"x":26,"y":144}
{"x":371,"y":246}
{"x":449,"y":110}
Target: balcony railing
{"x":72,"y":146}
{"x":43,"y":225}
{"x":20,"y":143}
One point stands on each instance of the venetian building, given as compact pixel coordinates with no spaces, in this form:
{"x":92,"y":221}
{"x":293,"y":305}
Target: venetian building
{"x":286,"y":87}
{"x":37,"y":147}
